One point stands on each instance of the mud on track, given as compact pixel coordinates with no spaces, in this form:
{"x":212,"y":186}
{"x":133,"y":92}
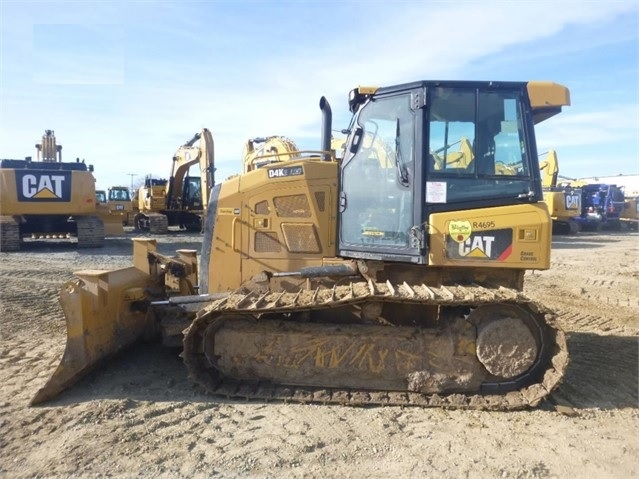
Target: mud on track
{"x":140,"y":416}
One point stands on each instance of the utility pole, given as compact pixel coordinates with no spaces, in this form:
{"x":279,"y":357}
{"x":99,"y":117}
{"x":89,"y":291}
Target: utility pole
{"x":132,"y":175}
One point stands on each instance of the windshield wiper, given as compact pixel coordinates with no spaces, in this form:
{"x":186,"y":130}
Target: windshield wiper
{"x":402,"y":173}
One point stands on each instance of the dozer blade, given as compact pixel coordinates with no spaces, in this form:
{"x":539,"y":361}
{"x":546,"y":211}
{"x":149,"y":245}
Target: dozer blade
{"x":114,"y":228}
{"x":102,"y":317}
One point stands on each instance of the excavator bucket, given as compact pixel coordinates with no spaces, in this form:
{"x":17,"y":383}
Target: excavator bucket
{"x":104,"y":313}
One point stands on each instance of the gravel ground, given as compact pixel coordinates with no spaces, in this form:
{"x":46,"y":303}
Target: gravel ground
{"x":139,"y":415}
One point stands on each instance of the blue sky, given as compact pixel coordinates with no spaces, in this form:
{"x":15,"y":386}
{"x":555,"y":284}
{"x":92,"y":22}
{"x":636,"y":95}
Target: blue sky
{"x":125,"y":83}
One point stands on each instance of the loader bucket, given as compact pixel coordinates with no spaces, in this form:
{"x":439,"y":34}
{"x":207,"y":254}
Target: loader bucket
{"x":103,"y":316}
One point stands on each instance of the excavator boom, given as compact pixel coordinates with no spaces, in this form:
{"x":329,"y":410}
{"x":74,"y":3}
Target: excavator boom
{"x":185,"y":157}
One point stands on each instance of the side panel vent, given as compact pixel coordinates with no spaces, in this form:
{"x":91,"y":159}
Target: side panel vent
{"x":293,"y":206}
{"x":301,"y":237}
{"x":267,"y":242}
{"x":261,"y":208}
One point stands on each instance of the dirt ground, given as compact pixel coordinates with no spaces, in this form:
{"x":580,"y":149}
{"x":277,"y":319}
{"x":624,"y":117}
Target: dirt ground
{"x":139,"y":415}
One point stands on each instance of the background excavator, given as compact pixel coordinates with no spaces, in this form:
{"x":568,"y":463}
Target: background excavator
{"x":363,"y":281}
{"x":182,"y":199}
{"x":563,"y":200}
{"x":48,"y":199}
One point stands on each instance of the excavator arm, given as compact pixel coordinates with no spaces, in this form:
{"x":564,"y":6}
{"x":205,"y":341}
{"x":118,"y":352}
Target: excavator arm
{"x":188,"y":155}
{"x":549,"y":170}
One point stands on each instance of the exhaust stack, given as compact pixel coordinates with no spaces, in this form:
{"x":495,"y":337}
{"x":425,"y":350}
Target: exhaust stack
{"x":327,"y":122}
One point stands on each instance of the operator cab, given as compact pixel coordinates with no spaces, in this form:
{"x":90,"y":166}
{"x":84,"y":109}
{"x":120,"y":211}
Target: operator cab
{"x":427,"y":147}
{"x":119,"y":194}
{"x":192,"y":193}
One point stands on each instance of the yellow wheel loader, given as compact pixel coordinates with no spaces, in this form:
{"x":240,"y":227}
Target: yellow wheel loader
{"x":182,"y":199}
{"x":47,"y":198}
{"x":360,"y":281}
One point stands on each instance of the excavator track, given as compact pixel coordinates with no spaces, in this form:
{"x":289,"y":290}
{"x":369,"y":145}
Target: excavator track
{"x":158,"y":223}
{"x":90,"y":231}
{"x":154,"y":223}
{"x":528,"y":390}
{"x":9,"y":234}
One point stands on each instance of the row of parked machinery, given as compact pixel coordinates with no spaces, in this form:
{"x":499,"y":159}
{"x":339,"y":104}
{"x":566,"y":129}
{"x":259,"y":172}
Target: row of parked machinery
{"x":48,"y":198}
{"x":180,"y":200}
{"x":577,"y":205}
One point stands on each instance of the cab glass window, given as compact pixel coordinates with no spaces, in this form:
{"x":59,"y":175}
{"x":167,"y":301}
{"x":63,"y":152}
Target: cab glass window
{"x":476,"y":145}
{"x":377,"y":179}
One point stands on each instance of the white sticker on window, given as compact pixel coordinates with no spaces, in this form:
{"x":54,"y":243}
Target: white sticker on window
{"x":435,"y":192}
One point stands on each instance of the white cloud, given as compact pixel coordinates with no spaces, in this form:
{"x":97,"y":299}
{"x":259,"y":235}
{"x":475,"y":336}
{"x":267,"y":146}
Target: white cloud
{"x":184,"y":72}
{"x":614,"y":124}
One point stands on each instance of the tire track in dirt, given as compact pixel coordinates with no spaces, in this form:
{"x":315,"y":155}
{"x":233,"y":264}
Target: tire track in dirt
{"x":30,"y":300}
{"x":603,"y":371}
{"x":598,"y":307}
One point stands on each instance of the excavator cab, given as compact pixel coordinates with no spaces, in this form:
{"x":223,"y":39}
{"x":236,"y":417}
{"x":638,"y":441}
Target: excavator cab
{"x":192,"y":193}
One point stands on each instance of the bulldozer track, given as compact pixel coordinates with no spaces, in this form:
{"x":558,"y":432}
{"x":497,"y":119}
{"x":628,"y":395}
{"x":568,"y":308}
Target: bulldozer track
{"x":256,"y":303}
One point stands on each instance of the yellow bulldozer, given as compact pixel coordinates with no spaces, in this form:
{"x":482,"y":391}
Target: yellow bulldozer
{"x":115,"y":209}
{"x":119,"y":201}
{"x":182,"y":199}
{"x":47,"y":198}
{"x":112,"y":220}
{"x":357,"y":281}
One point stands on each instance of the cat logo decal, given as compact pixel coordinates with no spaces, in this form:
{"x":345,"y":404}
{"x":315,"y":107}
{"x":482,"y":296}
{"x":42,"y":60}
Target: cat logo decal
{"x":43,"y":185}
